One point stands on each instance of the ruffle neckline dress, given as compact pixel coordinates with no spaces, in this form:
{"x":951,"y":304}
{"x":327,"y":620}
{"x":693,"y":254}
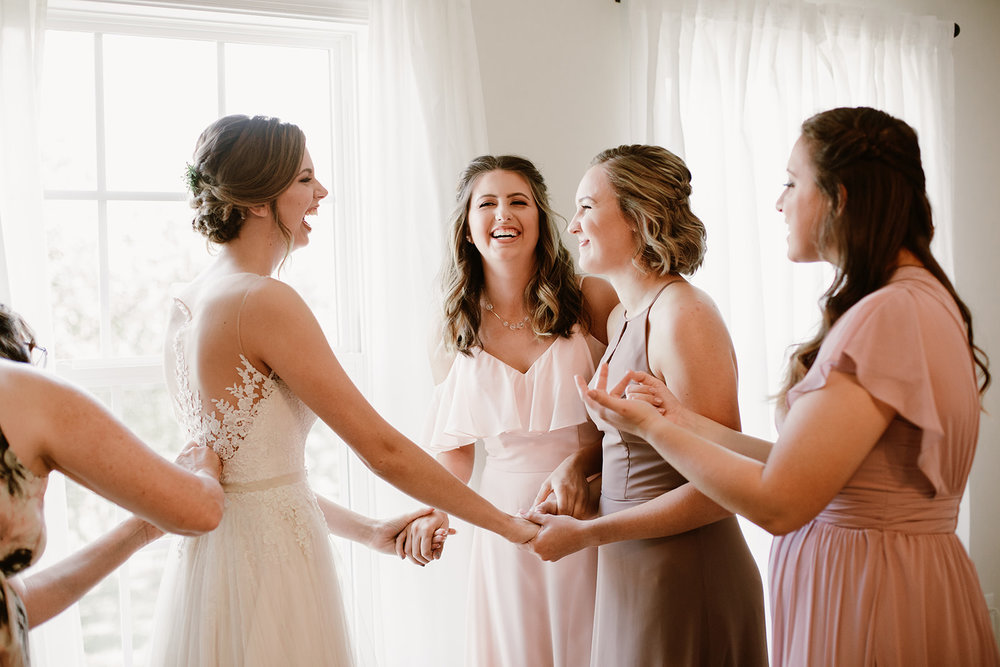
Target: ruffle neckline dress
{"x":522,"y":611}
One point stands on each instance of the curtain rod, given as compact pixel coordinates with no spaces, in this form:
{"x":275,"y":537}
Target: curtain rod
{"x":957,"y":28}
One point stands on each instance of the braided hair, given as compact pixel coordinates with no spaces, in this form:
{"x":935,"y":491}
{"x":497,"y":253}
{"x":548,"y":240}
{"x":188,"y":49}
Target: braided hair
{"x":868,"y":166}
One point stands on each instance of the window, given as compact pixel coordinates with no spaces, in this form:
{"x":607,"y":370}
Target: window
{"x":126,"y":91}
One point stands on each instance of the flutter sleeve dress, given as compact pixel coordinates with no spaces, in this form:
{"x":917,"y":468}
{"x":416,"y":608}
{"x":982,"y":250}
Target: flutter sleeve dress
{"x":521,"y":611}
{"x":879,"y":577}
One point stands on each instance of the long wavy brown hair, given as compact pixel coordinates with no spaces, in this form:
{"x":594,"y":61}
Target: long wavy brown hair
{"x":875,"y":159}
{"x":552,"y":298}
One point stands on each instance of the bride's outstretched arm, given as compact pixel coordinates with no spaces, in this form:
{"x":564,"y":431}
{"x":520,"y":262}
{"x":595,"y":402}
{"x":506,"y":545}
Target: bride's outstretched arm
{"x":422,"y":541}
{"x":280,"y":332}
{"x":377,"y":534}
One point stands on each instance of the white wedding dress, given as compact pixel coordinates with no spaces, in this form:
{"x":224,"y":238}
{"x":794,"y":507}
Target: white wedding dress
{"x":262,"y":589}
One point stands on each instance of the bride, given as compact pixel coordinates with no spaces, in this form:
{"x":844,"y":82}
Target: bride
{"x":253,"y":372}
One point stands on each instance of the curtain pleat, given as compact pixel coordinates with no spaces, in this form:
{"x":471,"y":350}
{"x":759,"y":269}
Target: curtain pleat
{"x":426,"y":122}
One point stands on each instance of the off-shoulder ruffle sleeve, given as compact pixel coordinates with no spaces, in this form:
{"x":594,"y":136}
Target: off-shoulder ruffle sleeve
{"x":887,"y":341}
{"x":482,"y":397}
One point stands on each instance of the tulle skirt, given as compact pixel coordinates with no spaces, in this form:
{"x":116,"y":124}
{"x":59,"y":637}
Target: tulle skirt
{"x":260,"y":590}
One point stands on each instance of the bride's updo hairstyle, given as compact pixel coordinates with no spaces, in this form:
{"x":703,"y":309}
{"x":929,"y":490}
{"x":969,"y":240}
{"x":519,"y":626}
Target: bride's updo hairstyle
{"x":240,"y":162}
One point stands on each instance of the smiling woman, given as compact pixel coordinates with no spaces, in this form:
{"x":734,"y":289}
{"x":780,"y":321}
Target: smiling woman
{"x":516,"y":327}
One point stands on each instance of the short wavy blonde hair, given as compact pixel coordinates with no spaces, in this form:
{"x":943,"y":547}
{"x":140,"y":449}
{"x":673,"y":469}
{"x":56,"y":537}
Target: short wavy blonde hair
{"x":653,"y":186}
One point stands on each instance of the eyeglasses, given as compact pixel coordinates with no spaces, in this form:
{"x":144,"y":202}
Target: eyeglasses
{"x":38,"y":354}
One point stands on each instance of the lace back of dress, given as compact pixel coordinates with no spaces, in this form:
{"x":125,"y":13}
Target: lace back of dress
{"x":225,"y":427}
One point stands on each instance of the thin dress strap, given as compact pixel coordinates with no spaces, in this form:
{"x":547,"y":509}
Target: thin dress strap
{"x":239,"y":315}
{"x":644,"y":315}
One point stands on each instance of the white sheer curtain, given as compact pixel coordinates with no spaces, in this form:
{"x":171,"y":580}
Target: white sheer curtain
{"x":23,"y":278}
{"x":726,"y":85}
{"x":426,"y":121}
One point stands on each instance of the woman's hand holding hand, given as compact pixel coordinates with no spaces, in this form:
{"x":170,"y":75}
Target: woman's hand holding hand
{"x":522,"y":532}
{"x":422,"y":538}
{"x":565,"y":491}
{"x":558,"y":535}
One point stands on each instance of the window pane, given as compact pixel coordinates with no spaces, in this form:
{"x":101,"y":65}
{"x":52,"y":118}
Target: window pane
{"x":149,"y":412}
{"x":145,"y":570}
{"x":292,"y":84}
{"x":323,"y":451}
{"x":99,"y":620}
{"x":72,"y":237}
{"x":151,"y":247}
{"x":90,"y":516}
{"x":295,"y":85}
{"x":312,"y":272}
{"x":68,"y":129}
{"x":159,"y":95}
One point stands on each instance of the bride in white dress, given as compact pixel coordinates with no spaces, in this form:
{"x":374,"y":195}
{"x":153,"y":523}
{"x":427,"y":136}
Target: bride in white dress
{"x":253,"y":371}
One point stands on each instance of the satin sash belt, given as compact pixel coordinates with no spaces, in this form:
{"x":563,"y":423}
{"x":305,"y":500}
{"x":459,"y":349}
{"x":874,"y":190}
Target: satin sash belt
{"x":893,"y":511}
{"x":265,"y":484}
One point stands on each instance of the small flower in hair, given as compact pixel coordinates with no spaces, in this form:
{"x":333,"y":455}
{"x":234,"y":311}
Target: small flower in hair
{"x":191,"y":178}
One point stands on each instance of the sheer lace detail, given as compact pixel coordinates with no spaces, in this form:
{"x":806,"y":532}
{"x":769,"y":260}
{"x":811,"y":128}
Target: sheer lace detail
{"x":223,"y":434}
{"x":269,"y":563}
{"x":186,"y":403}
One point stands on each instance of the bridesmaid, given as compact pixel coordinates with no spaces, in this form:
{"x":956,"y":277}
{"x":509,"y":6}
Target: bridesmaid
{"x":676,"y":582}
{"x":47,"y":424}
{"x":516,"y":329}
{"x":881,"y":419}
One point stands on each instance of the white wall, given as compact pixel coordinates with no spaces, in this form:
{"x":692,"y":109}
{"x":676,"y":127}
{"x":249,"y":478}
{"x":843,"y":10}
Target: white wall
{"x":555,"y":90}
{"x":977,"y":246}
{"x":554,"y":84}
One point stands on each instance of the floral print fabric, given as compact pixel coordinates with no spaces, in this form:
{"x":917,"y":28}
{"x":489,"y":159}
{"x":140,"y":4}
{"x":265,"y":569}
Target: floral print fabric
{"x":22,"y":539}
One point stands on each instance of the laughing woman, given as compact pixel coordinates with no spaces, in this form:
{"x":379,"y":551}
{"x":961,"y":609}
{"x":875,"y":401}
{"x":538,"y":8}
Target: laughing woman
{"x":516,"y":329}
{"x":253,"y":371}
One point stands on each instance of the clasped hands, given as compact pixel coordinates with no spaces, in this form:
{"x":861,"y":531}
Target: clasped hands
{"x":566,"y":503}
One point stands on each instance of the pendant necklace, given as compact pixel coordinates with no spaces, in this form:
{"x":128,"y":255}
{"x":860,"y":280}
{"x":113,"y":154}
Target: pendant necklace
{"x":513,"y":326}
